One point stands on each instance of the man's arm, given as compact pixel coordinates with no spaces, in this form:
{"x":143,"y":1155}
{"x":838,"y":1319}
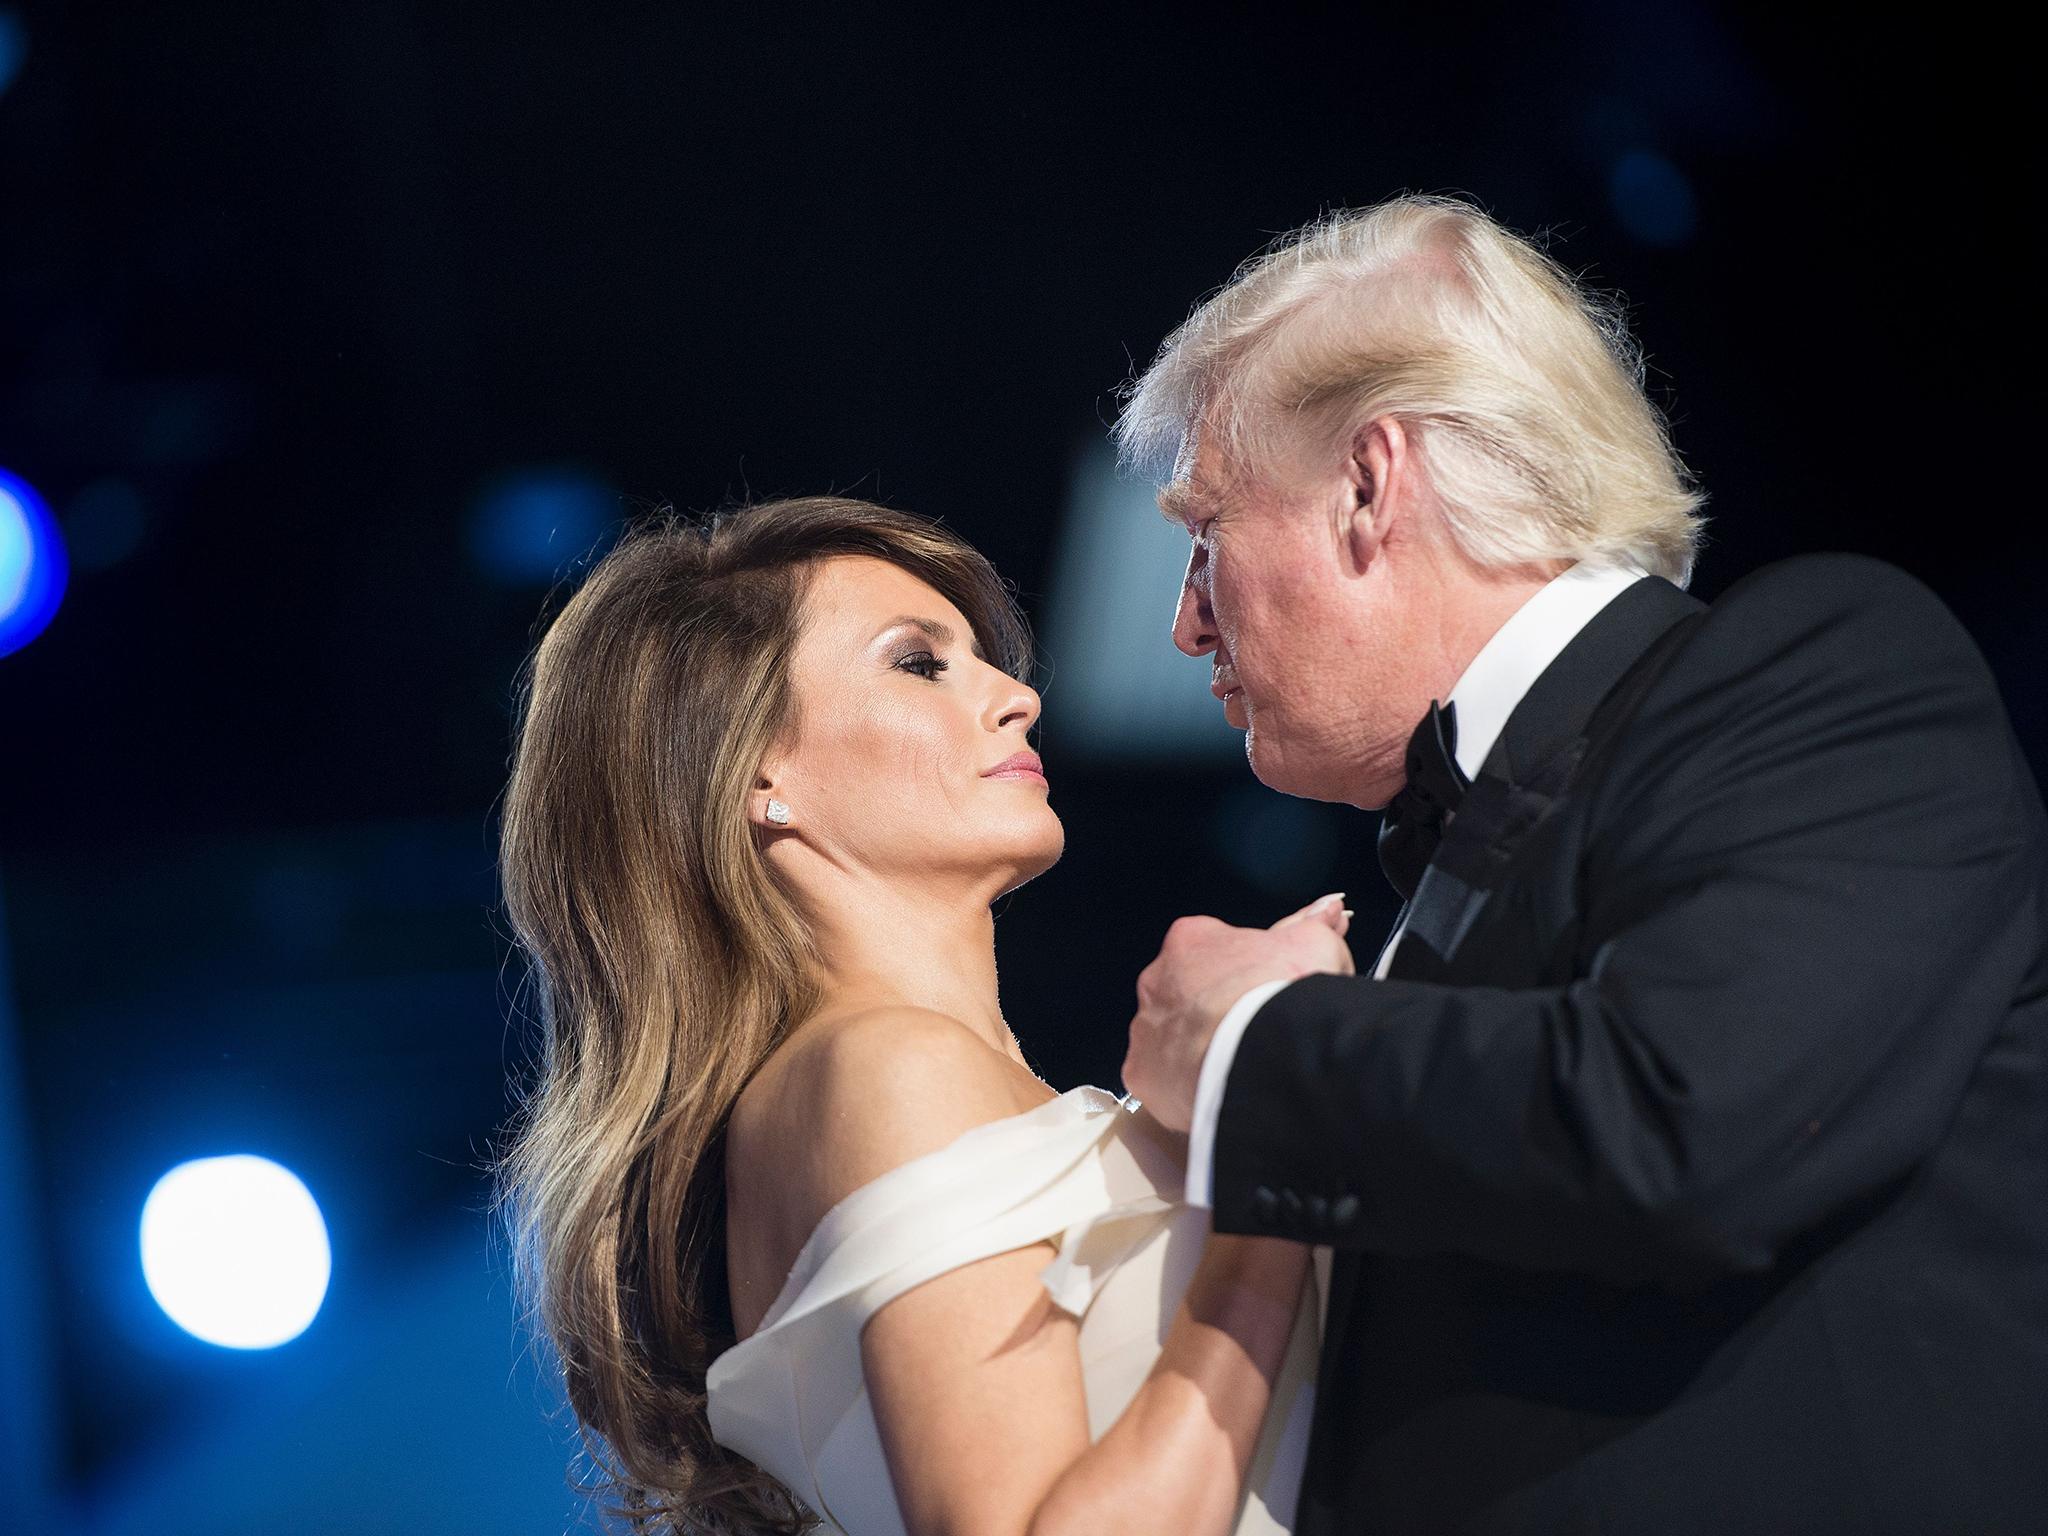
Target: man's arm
{"x":1811,"y":889}
{"x":1209,"y":1088}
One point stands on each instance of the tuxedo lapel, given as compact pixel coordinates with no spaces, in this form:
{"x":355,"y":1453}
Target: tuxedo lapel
{"x":1523,"y":781}
{"x":1529,"y":769}
{"x":1560,"y":703}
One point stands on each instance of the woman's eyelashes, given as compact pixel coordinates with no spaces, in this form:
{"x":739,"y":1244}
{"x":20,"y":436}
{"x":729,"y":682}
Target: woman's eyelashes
{"x":924,"y":664}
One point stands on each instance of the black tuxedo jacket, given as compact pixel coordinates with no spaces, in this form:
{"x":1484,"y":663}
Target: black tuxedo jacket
{"x":1689,"y":1171}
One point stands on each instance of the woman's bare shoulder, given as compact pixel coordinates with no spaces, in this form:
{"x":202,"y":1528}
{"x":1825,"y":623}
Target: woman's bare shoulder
{"x":872,"y":1090}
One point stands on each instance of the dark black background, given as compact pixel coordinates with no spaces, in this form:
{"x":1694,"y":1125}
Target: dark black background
{"x":300,"y":279}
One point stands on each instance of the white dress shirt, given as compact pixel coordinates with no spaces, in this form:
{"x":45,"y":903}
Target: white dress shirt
{"x":1486,"y":694}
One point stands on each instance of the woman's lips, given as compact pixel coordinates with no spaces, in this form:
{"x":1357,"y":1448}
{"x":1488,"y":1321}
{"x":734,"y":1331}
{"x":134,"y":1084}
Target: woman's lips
{"x":1018,"y":765}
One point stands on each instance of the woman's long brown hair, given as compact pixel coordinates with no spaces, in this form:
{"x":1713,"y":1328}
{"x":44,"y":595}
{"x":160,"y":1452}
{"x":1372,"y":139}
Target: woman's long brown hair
{"x":667,"y":961}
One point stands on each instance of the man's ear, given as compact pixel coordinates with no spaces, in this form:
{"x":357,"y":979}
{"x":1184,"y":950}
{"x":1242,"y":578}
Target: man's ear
{"x":1375,"y":473}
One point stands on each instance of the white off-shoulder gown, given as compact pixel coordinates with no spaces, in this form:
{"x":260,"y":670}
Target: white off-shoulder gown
{"x":1084,"y":1170}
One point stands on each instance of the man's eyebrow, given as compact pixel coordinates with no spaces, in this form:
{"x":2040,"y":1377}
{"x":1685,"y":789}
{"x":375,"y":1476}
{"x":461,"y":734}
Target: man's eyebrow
{"x":934,"y":629}
{"x":1180,"y":501}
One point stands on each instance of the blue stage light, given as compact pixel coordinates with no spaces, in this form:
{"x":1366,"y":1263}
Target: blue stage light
{"x":1652,"y":198}
{"x":32,"y":564}
{"x":104,"y":524}
{"x":530,"y":525}
{"x":13,"y":46}
{"x":1279,"y":844}
{"x":235,"y":1251}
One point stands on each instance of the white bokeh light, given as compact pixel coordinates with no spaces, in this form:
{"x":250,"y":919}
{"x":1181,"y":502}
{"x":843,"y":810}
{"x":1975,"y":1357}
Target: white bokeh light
{"x":235,"y":1251}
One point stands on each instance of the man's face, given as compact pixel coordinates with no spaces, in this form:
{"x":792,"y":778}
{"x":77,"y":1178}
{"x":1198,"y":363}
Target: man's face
{"x":1273,"y":597}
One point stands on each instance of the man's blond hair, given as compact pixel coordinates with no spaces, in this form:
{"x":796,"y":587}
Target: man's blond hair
{"x":1521,"y":391}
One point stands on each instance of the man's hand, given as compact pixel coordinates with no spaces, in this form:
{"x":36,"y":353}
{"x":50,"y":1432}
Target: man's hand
{"x":1204,"y":966}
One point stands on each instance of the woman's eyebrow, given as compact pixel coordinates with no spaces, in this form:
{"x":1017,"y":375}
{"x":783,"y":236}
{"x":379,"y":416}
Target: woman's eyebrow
{"x":934,"y":629}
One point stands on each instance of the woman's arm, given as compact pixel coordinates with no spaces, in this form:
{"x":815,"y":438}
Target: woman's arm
{"x":1176,"y":1458}
{"x":975,"y":1375}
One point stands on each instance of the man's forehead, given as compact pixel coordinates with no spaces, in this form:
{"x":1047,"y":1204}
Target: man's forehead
{"x":1194,"y":483}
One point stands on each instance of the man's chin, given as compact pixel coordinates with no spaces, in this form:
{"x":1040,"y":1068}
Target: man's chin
{"x":1287,"y":774}
{"x":1273,"y":766}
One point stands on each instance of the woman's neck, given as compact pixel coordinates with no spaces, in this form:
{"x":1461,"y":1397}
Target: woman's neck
{"x":914,"y":947}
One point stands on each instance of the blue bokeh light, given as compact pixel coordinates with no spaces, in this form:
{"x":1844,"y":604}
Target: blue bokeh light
{"x":13,"y":46}
{"x":32,"y":564}
{"x":1653,"y":199}
{"x":1277,"y":843}
{"x":104,"y":524}
{"x":529,"y":524}
{"x":235,"y":1251}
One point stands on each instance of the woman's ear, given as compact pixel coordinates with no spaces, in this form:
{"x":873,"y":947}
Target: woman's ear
{"x":767,"y":808}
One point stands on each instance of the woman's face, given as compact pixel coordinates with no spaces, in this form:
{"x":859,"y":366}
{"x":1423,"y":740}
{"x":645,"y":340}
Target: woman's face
{"x":900,"y":722}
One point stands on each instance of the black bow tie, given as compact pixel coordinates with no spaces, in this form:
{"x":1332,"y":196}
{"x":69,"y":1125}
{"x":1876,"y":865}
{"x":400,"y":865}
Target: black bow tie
{"x":1416,"y":818}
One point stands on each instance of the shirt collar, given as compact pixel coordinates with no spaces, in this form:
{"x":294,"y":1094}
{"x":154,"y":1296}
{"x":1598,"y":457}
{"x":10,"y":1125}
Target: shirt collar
{"x":1520,"y":649}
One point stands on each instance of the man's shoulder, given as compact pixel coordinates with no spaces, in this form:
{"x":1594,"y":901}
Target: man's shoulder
{"x":1817,"y":660}
{"x":1835,"y":614}
{"x":1834,"y":585}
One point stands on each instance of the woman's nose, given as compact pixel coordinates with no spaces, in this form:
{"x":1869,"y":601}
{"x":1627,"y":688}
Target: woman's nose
{"x":1019,"y":701}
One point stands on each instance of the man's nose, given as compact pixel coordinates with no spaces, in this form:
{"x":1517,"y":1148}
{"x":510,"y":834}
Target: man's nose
{"x":1194,"y":626}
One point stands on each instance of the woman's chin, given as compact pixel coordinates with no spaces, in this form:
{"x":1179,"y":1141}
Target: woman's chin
{"x":1029,"y":863}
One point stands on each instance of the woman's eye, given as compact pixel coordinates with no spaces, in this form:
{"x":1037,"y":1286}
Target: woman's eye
{"x":924,"y":664}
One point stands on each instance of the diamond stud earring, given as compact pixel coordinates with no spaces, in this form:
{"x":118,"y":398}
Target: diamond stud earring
{"x":778,"y":813}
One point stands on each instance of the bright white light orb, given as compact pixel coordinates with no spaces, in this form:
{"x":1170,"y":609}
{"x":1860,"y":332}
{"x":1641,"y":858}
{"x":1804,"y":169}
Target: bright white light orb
{"x":235,"y":1251}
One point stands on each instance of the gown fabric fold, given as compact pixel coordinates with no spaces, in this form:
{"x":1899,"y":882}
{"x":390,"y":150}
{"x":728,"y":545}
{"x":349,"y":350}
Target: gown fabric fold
{"x":1082,"y":1170}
